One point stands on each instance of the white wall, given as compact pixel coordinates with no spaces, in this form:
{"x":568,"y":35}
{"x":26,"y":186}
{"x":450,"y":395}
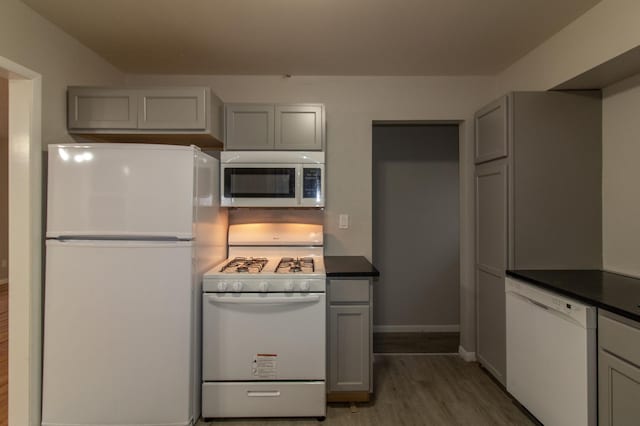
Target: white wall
{"x":352,"y":104}
{"x":621,"y":177}
{"x":51,"y":60}
{"x":35,"y":43}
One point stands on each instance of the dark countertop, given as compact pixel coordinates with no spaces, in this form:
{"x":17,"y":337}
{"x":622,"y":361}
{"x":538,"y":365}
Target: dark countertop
{"x":349,"y":266}
{"x":616,"y":293}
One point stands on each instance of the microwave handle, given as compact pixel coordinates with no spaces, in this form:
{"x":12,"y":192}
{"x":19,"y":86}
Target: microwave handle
{"x":299,"y":175}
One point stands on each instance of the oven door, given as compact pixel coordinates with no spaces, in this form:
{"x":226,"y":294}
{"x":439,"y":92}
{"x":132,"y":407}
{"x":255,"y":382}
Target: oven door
{"x":263,"y":336}
{"x":260,"y":185}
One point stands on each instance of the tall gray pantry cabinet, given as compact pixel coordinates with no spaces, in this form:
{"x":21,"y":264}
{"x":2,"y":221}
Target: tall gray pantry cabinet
{"x":538,"y":197}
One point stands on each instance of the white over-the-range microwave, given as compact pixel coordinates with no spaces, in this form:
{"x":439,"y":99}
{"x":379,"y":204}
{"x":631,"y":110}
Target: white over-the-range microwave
{"x":272,"y":178}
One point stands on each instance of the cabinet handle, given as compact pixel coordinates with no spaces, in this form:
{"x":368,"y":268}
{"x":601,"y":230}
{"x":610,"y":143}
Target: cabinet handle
{"x":262,"y":394}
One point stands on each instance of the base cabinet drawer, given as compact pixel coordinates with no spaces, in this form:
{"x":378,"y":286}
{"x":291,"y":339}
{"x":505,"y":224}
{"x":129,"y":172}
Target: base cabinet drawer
{"x":264,"y":399}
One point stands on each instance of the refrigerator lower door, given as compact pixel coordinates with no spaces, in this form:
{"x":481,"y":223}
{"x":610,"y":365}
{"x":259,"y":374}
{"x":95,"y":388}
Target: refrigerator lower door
{"x":118,"y":339}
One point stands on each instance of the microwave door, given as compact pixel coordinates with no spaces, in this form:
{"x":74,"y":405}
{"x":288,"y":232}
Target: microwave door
{"x":312,"y":186}
{"x":274,"y":185}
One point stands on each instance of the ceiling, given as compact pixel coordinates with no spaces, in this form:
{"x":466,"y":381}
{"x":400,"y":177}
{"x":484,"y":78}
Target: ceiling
{"x":312,"y":37}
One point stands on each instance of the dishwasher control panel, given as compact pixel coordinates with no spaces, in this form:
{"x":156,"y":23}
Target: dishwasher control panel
{"x":582,"y":314}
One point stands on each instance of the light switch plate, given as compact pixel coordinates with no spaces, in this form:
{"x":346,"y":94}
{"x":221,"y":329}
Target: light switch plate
{"x":343,"y":221}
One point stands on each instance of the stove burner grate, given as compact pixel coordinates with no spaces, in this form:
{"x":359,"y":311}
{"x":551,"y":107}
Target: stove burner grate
{"x":251,"y":265}
{"x":293,"y":265}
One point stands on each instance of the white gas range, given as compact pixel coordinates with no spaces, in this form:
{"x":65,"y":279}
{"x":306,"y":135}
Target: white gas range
{"x":264,"y":316}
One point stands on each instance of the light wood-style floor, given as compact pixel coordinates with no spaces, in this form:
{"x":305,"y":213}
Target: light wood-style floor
{"x":4,"y":353}
{"x":415,"y":343}
{"x":419,"y":390}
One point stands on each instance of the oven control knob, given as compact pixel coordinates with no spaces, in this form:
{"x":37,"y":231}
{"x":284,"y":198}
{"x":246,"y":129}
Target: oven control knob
{"x":222,"y":286}
{"x":288,"y":285}
{"x":304,"y":286}
{"x":264,"y":286}
{"x":237,"y":286}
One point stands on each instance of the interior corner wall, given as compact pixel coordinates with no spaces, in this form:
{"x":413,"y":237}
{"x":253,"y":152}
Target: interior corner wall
{"x":4,"y":179}
{"x":620,"y":177}
{"x":35,"y":43}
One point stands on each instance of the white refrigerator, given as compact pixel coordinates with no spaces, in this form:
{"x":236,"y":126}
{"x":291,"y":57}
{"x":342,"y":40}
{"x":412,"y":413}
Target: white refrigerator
{"x":131,"y":229}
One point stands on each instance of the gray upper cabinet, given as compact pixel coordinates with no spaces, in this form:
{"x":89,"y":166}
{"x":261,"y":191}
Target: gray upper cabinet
{"x":492,"y":130}
{"x":249,"y":126}
{"x":618,"y":370}
{"x":177,"y":115}
{"x":538,"y":198}
{"x":298,"y":127}
{"x":173,"y":108}
{"x":102,"y":108}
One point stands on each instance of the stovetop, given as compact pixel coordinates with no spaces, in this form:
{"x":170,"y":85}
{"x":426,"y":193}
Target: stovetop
{"x":269,"y":267}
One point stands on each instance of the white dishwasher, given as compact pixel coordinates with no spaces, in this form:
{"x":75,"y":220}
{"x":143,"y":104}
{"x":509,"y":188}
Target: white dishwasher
{"x":551,"y":355}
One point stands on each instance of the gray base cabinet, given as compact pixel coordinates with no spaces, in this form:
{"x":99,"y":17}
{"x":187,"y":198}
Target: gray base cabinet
{"x":350,"y":342}
{"x":295,"y":127}
{"x":618,"y":370}
{"x":538,"y":198}
{"x":104,"y":113}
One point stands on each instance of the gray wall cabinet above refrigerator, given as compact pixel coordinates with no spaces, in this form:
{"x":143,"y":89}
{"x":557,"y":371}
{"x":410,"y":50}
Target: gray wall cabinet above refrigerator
{"x":538,"y":196}
{"x":178,"y":115}
{"x":296,"y":127}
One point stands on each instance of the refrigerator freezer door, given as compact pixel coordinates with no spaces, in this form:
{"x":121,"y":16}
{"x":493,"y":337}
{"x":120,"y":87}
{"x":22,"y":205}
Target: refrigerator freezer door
{"x":117,"y":343}
{"x":120,"y":190}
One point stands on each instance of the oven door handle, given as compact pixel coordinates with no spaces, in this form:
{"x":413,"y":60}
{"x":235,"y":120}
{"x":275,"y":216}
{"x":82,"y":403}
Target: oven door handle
{"x":264,"y":300}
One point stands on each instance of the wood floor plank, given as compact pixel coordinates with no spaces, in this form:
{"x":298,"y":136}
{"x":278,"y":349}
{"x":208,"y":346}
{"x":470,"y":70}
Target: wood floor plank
{"x":407,"y":343}
{"x":416,"y":390}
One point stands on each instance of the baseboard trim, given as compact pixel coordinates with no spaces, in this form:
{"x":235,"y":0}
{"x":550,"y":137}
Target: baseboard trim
{"x":4,"y":281}
{"x":419,"y":328}
{"x":466,"y":355}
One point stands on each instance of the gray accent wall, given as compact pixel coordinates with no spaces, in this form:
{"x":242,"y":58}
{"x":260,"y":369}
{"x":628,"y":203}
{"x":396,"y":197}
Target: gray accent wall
{"x":416,"y":226}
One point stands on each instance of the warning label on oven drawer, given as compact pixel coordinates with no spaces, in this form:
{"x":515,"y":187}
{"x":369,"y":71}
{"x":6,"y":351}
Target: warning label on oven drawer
{"x":265,"y":366}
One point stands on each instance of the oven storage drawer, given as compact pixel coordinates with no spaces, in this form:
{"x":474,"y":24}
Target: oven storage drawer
{"x":264,"y":399}
{"x":263,"y":336}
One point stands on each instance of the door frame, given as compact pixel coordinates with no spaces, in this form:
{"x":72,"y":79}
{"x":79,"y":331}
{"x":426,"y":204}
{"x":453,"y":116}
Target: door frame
{"x":25,"y":243}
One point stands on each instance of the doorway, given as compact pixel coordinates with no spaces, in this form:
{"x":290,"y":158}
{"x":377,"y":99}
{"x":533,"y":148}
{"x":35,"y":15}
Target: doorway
{"x":4,"y":250}
{"x":25,"y":239}
{"x":416,"y":237}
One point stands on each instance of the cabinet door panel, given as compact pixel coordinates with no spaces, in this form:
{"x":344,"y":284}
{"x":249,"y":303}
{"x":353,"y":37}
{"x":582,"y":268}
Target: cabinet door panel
{"x":96,"y":108}
{"x":491,"y":317}
{"x":619,"y":391}
{"x":249,"y":127}
{"x":298,"y":127}
{"x":491,"y":124}
{"x":182,"y":108}
{"x":491,"y":217}
{"x":349,"y":343}
{"x":491,"y":261}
